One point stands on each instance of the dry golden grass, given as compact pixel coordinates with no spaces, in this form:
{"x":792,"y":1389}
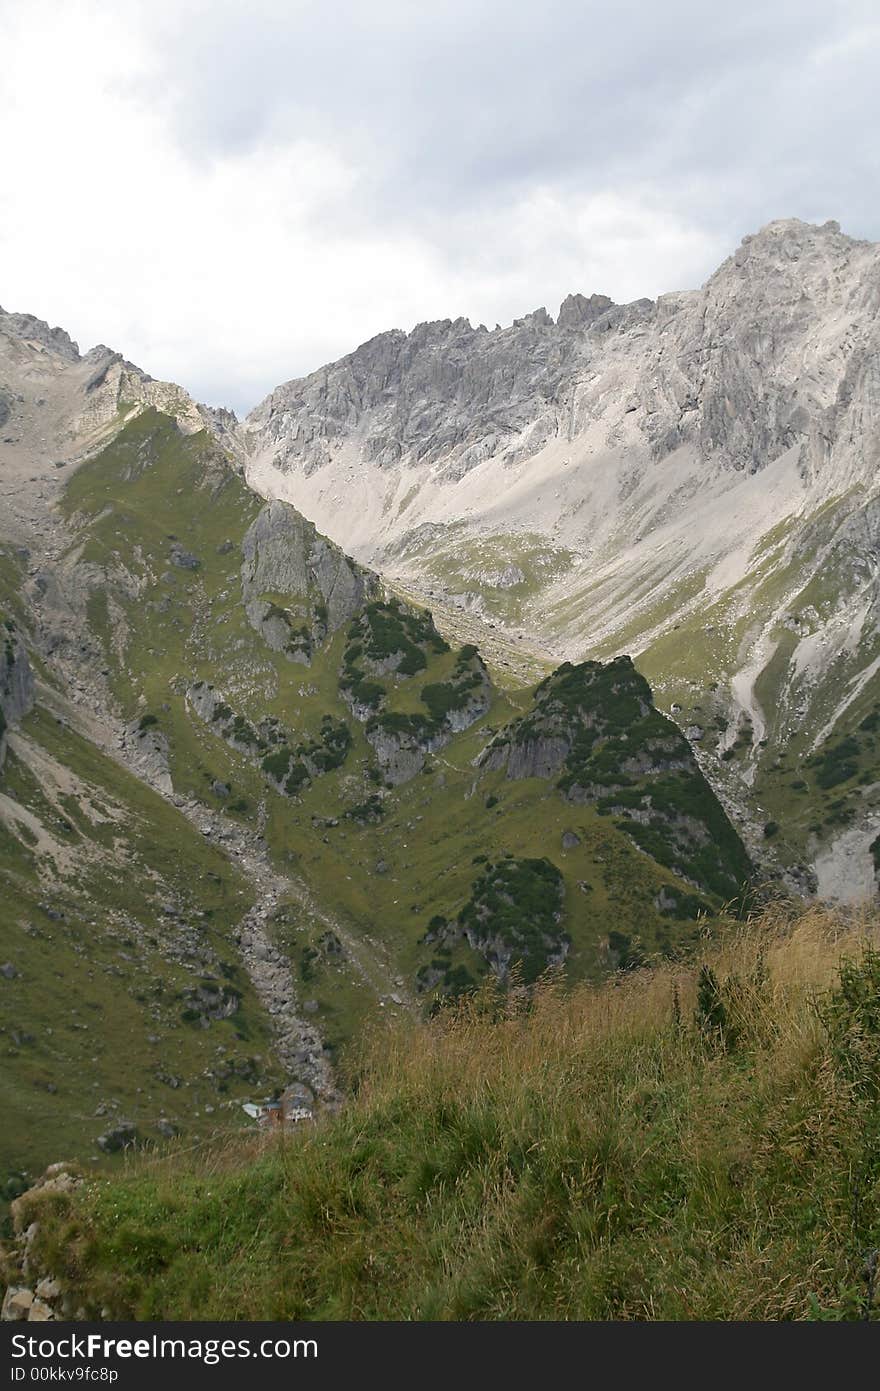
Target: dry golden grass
{"x":700,"y":1140}
{"x":781,"y":960}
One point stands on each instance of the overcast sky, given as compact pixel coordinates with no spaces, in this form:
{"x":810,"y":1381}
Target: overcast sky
{"x":232,"y":192}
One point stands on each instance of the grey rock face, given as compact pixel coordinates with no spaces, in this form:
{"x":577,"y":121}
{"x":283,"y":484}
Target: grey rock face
{"x":277,"y":629}
{"x":444,"y":393}
{"x":579,"y":311}
{"x":737,"y":374}
{"x":16,"y":684}
{"x":284,"y":554}
{"x":16,"y":678}
{"x":400,"y":756}
{"x":203,"y":699}
{"x":147,"y":748}
{"x":36,"y":330}
{"x":541,"y":757}
{"x":733,"y":368}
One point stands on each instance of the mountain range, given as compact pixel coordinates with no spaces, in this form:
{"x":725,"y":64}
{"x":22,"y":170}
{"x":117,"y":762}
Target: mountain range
{"x":693,"y":481}
{"x":474,"y":654}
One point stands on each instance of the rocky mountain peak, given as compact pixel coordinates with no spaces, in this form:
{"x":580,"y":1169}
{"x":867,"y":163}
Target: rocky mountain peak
{"x":578,"y":311}
{"x":789,"y":249}
{"x":29,"y":328}
{"x":736,"y":370}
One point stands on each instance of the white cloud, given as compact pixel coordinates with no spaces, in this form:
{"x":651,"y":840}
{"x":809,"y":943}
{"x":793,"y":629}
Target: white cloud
{"x":229,"y":232}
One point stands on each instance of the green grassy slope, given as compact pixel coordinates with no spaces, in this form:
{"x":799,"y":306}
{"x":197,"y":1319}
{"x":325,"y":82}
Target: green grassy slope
{"x":117,"y":918}
{"x":695,"y":1142}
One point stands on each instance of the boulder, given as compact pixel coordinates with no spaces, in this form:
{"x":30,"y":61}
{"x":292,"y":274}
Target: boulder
{"x":16,"y":1304}
{"x":120,"y":1137}
{"x":184,"y":559}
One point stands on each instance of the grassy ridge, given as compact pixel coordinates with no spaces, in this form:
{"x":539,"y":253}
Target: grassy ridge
{"x":695,"y":1141}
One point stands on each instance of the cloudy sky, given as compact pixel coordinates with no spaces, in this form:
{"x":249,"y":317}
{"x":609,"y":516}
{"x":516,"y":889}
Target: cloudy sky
{"x":232,"y":192}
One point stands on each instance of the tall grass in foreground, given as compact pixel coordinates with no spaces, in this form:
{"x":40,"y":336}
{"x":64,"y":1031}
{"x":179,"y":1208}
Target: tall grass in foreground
{"x":696,"y":1141}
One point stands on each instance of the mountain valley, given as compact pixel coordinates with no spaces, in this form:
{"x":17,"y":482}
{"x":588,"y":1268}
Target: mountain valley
{"x":473,"y":656}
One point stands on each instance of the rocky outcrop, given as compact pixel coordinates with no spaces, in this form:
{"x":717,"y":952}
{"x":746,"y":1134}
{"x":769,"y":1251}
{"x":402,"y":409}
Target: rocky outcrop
{"x":289,"y":763}
{"x":322,"y":589}
{"x":401,"y":752}
{"x":403,"y":742}
{"x":16,"y":682}
{"x":283,"y":554}
{"x":146,"y":748}
{"x":33,"y":330}
{"x":283,"y":630}
{"x":579,"y":311}
{"x":515,"y":914}
{"x":32,"y":1293}
{"x":237,"y":731}
{"x":121,"y":1136}
{"x":597,"y":725}
{"x":540,"y":757}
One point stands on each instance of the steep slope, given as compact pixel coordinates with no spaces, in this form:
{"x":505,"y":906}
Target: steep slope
{"x":693,"y":481}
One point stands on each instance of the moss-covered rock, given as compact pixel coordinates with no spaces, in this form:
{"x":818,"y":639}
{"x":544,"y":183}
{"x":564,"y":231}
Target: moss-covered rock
{"x":594,"y":729}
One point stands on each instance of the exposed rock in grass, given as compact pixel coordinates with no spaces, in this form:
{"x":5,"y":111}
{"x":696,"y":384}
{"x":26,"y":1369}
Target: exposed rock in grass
{"x":122,"y":1136}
